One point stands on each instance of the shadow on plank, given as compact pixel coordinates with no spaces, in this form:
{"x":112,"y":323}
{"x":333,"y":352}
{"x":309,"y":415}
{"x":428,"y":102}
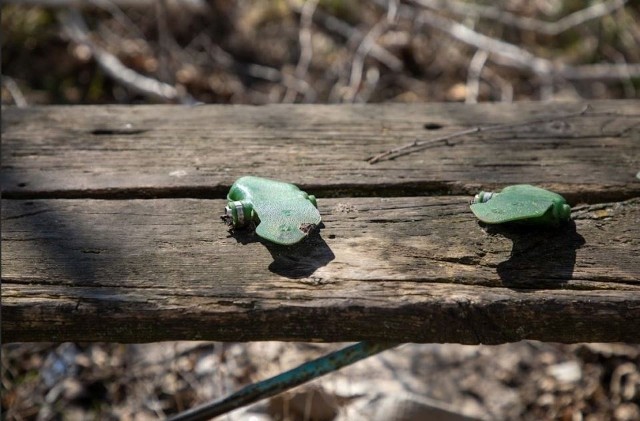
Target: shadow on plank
{"x":541,"y":257}
{"x":296,"y":261}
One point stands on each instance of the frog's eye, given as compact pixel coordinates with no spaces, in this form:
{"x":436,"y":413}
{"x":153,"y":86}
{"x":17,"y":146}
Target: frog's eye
{"x":237,"y":213}
{"x":482,"y":197}
{"x":521,"y":203}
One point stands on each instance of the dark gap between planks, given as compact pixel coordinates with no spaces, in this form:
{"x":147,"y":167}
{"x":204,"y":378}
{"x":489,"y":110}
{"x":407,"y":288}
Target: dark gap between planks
{"x":410,"y":189}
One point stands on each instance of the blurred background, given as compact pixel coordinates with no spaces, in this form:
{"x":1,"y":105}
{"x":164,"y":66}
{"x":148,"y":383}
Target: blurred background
{"x":320,"y":51}
{"x":317,"y":51}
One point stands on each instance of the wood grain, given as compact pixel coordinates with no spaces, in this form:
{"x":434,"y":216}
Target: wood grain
{"x":416,"y":269}
{"x":197,"y":152}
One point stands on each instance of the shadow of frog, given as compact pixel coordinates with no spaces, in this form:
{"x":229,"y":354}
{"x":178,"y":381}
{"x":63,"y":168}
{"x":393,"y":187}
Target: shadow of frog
{"x":541,"y":257}
{"x":296,"y":261}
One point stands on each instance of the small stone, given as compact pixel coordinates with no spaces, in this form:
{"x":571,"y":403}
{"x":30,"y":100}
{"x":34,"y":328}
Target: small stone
{"x":567,"y":372}
{"x":627,"y":412}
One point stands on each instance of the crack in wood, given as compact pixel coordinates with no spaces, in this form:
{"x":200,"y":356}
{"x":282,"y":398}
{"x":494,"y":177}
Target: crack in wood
{"x":25,"y":215}
{"x":595,"y":196}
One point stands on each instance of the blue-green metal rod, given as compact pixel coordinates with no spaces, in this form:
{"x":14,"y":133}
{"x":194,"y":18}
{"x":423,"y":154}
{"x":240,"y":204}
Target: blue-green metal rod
{"x":285,"y":381}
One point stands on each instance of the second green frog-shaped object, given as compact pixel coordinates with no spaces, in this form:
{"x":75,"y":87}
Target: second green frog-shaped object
{"x":521,"y":203}
{"x":284,"y":214}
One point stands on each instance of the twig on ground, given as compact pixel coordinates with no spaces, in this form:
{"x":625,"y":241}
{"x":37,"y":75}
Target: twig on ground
{"x":164,"y":40}
{"x":14,"y":91}
{"x":223,"y":58}
{"x":194,"y":6}
{"x":299,"y":85}
{"x":360,"y":55}
{"x":76,"y":29}
{"x":119,"y":16}
{"x":418,"y":145}
{"x":306,"y":47}
{"x":337,"y":26}
{"x":627,"y":82}
{"x":215,"y":54}
{"x":545,"y":87}
{"x":392,"y":11}
{"x":506,"y":88}
{"x":473,"y":76}
{"x":372,"y":77}
{"x":511,"y":55}
{"x":600,"y":71}
{"x":522,"y":22}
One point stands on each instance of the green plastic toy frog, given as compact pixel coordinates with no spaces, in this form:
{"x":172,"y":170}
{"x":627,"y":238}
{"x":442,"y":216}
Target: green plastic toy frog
{"x":521,"y":203}
{"x":284,"y":214}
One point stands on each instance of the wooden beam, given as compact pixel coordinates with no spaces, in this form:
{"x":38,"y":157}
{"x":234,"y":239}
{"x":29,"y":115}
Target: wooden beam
{"x":389,"y":268}
{"x":169,"y":151}
{"x":418,"y":269}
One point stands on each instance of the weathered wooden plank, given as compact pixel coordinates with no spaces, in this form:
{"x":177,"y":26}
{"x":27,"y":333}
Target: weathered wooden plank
{"x":417,"y":269}
{"x":170,"y":151}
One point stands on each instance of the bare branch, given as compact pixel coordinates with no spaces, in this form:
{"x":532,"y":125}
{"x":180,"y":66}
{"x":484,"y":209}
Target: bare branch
{"x":306,"y":48}
{"x":194,"y":6}
{"x":511,"y":55}
{"x":371,"y":79}
{"x":517,"y":56}
{"x":506,"y":88}
{"x":120,"y":17}
{"x":629,"y":88}
{"x":76,"y":29}
{"x":392,"y":11}
{"x":164,"y":40}
{"x":337,"y":26}
{"x":218,"y":55}
{"x":522,"y":22}
{"x":363,"y":50}
{"x":418,"y":145}
{"x":601,"y":71}
{"x":473,"y":76}
{"x":15,"y":91}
